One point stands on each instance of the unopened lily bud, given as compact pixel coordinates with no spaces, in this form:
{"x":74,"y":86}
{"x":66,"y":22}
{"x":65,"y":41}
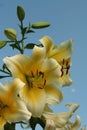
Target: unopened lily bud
{"x":20,"y":13}
{"x":38,"y":25}
{"x":10,"y":33}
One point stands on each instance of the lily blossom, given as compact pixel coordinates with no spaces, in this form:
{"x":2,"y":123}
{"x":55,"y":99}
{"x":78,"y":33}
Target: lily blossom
{"x":62,"y":120}
{"x":39,"y":74}
{"x":62,"y":54}
{"x":12,"y":108}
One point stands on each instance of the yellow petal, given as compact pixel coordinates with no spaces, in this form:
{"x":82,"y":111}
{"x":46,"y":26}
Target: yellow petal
{"x":54,"y":95}
{"x":47,"y":42}
{"x":16,"y":65}
{"x":35,"y":100}
{"x":76,"y":124}
{"x":64,"y":80}
{"x":50,"y":125}
{"x":13,"y":108}
{"x":63,"y":51}
{"x":2,"y":123}
{"x":38,"y":53}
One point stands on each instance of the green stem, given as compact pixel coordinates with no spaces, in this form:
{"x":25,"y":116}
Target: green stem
{"x":22,"y":41}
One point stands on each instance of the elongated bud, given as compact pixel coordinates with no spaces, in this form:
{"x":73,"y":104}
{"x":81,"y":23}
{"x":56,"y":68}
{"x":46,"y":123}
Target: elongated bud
{"x":10,"y":33}
{"x":38,"y":25}
{"x":2,"y":44}
{"x":20,"y":13}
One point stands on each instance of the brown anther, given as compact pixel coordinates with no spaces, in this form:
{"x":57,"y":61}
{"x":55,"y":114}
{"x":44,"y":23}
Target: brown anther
{"x":42,"y":74}
{"x":68,"y":67}
{"x":67,"y":63}
{"x":44,"y":82}
{"x":32,"y":74}
{"x":63,"y":61}
{"x":67,"y":71}
{"x":37,"y":72}
{"x":62,"y":71}
{"x":40,"y":87}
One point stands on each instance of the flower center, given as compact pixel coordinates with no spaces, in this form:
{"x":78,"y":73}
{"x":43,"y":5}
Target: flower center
{"x":36,"y":79}
{"x":2,"y":106}
{"x":65,"y":67}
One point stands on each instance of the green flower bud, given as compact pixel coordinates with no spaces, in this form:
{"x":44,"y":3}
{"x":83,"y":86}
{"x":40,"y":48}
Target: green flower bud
{"x":38,"y":25}
{"x":20,"y":13}
{"x":2,"y":44}
{"x":10,"y":33}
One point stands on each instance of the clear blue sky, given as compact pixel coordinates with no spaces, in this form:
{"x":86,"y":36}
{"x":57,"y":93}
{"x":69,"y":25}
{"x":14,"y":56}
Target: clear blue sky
{"x":68,"y":20}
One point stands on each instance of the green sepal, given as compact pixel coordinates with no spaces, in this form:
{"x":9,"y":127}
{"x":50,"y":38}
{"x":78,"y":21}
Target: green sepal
{"x":2,"y":43}
{"x":20,"y":13}
{"x":38,"y":25}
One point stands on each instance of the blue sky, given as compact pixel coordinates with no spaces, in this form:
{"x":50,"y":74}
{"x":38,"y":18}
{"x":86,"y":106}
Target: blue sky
{"x":68,"y":20}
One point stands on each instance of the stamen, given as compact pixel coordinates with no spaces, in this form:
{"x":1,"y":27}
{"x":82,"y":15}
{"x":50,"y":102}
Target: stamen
{"x":67,"y":63}
{"x":67,"y":70}
{"x":44,"y":82}
{"x":32,"y":74}
{"x":63,"y":61}
{"x":41,"y":73}
{"x":40,"y":87}
{"x":62,"y":71}
{"x":37,"y":72}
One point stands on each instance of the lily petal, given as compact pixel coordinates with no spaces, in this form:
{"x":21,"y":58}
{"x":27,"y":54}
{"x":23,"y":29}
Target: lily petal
{"x":76,"y":124}
{"x":35,"y":100}
{"x":48,"y":43}
{"x":2,"y":123}
{"x":13,"y":109}
{"x":54,"y":94}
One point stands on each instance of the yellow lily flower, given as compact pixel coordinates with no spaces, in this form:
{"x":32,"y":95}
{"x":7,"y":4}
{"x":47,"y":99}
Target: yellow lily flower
{"x":12,"y":108}
{"x":62,"y":120}
{"x":62,"y":54}
{"x":39,"y":74}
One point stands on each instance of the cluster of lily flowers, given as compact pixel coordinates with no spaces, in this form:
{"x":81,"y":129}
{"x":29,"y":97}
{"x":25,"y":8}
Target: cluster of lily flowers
{"x":36,"y":86}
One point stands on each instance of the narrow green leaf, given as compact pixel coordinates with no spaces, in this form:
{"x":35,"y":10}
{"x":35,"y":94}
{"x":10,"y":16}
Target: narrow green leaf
{"x":31,"y":45}
{"x":2,"y":44}
{"x":1,"y":77}
{"x":38,"y":25}
{"x":20,"y":13}
{"x":30,"y":31}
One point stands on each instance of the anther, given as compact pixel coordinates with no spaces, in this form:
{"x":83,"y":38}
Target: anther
{"x":41,"y":73}
{"x":44,"y":82}
{"x":32,"y":74}
{"x":40,"y":87}
{"x":63,"y":61}
{"x":37,"y":72}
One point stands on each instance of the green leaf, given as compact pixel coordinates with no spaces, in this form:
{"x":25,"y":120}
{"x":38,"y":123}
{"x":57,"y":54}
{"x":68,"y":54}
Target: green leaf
{"x":20,"y":13}
{"x":31,"y":45}
{"x":1,"y":77}
{"x":14,"y":46}
{"x":38,"y":25}
{"x":30,"y":31}
{"x":2,"y":44}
